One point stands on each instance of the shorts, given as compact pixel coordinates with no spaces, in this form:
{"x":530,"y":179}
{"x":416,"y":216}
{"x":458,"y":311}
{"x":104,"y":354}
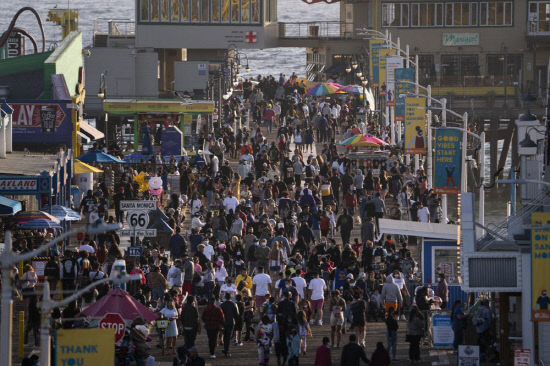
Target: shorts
{"x":393,"y":305}
{"x":259,"y":300}
{"x":336,"y":320}
{"x":186,"y":288}
{"x":317,"y":304}
{"x":256,"y":199}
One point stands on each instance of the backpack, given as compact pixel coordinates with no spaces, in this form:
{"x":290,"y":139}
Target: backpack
{"x":309,"y":171}
{"x":69,"y":267}
{"x":241,"y":284}
{"x":251,"y":254}
{"x":90,"y":205}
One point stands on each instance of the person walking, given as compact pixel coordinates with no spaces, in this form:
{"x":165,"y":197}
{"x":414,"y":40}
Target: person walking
{"x":415,"y":332}
{"x":293,"y":346}
{"x":190,"y":322}
{"x":261,"y":285}
{"x":33,"y":321}
{"x":323,"y":356}
{"x":171,"y":314}
{"x":352,"y":353}
{"x":336,"y":308}
{"x":317,"y":288}
{"x":213,"y":319}
{"x":157,"y":284}
{"x":380,"y":356}
{"x":391,"y":332}
{"x":457,"y":321}
{"x":230,"y":313}
{"x":443,"y":291}
{"x":391,"y":295}
{"x":263,"y":336}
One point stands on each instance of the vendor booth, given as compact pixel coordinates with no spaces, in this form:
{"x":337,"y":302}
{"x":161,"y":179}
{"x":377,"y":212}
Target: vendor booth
{"x":186,"y":116}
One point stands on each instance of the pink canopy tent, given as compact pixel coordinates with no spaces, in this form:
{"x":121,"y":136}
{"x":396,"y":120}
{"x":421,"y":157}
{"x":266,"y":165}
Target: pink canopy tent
{"x":119,"y":301}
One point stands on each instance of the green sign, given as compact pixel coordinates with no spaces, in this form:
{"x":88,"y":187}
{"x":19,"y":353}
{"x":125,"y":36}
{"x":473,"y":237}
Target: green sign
{"x":460,"y":39}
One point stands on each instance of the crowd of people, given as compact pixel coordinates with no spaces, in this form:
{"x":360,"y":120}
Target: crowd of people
{"x":265,"y":248}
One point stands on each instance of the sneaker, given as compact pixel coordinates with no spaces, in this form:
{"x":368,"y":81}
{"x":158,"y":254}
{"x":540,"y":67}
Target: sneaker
{"x":212,"y":356}
{"x":320,"y":322}
{"x":240,"y":344}
{"x":311,"y":322}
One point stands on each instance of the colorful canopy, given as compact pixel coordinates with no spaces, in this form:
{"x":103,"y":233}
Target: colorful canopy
{"x":97,"y":156}
{"x":352,"y":89}
{"x":39,"y":224}
{"x":26,"y":216}
{"x":119,"y":301}
{"x":63,"y":213}
{"x":322,"y":89}
{"x":363,"y":140}
{"x":80,"y":167}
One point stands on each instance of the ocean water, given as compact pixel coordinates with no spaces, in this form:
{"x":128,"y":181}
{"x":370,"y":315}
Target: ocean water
{"x":268,"y":61}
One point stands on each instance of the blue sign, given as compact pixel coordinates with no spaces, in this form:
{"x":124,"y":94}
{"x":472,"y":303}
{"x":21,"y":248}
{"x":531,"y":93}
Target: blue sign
{"x":172,"y":141}
{"x":402,"y":89}
{"x":135,"y":251}
{"x":443,"y":335}
{"x":447,"y":161}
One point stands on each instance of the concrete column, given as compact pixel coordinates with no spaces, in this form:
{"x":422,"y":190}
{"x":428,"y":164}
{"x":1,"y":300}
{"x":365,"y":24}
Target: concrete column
{"x":528,"y":339}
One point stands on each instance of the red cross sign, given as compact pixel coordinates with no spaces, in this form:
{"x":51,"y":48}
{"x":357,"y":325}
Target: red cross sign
{"x":251,"y":37}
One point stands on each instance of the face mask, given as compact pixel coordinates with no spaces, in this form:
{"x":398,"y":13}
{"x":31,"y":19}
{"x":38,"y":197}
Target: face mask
{"x":256,"y":243}
{"x":329,"y":344}
{"x":330,"y":245}
{"x":544,"y":294}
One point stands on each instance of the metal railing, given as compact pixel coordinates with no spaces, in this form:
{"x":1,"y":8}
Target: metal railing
{"x":115,"y":27}
{"x":316,"y":30}
{"x":521,"y":217}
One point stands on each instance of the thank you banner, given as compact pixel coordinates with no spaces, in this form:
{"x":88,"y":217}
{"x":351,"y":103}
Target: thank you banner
{"x":402,"y":87}
{"x":540,"y":267}
{"x":447,"y":161}
{"x":415,"y":125}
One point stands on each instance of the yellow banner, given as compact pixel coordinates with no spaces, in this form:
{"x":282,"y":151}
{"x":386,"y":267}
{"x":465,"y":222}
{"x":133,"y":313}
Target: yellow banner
{"x":85,"y":347}
{"x":415,"y":125}
{"x":382,"y":77}
{"x":375,"y":45}
{"x":131,"y":107}
{"x":540,"y":267}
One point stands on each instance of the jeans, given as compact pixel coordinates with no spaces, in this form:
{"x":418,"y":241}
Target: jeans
{"x":391,"y":337}
{"x":208,"y":286}
{"x":34,"y":326}
{"x":263,"y":355}
{"x":269,"y":125}
{"x":157,"y":293}
{"x":414,"y":347}
{"x":459,"y":336}
{"x":190,"y":335}
{"x":227,"y":332}
{"x":212,"y":339}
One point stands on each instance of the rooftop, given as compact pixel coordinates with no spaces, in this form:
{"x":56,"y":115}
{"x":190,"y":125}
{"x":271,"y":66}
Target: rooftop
{"x":27,"y":164}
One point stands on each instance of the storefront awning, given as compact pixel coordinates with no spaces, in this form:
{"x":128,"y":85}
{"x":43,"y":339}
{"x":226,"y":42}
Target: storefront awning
{"x":80,"y":167}
{"x":90,"y":132}
{"x":421,"y":229}
{"x":9,"y":207}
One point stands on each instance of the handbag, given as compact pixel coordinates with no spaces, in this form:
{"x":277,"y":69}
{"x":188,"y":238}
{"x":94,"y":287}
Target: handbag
{"x":26,"y":285}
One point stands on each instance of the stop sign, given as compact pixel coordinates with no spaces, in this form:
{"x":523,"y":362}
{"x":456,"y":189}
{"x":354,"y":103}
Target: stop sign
{"x":115,"y":321}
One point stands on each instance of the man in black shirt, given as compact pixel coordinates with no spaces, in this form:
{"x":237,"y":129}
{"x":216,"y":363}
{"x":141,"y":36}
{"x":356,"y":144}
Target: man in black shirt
{"x":336,"y":183}
{"x":352,"y":353}
{"x":345,"y":223}
{"x":231,"y":313}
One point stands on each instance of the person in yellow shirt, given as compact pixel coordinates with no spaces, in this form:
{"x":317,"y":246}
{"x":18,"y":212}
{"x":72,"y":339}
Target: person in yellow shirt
{"x":247,"y":284}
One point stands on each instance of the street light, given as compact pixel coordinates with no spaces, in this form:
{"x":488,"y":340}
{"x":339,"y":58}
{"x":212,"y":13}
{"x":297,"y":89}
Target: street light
{"x":504,"y":58}
{"x":101,"y":94}
{"x":7,"y":260}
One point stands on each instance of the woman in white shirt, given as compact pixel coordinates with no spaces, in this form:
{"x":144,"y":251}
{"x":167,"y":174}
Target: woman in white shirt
{"x":195,"y":204}
{"x":228,"y":287}
{"x":220,"y":273}
{"x":298,"y":138}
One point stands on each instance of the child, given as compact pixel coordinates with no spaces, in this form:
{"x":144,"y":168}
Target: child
{"x":303,"y":330}
{"x":293,"y":344}
{"x":391,"y":332}
{"x":305,"y":306}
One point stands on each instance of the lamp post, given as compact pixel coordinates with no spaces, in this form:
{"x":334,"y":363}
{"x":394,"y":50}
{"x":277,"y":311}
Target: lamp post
{"x":102,"y":94}
{"x":7,"y":260}
{"x":504,"y":58}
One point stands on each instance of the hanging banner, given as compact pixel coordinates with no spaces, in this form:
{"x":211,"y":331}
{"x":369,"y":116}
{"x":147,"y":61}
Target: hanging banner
{"x":540,"y":267}
{"x":402,"y":88}
{"x":375,"y":46}
{"x":85,"y":347}
{"x":447,"y":161}
{"x":392,"y":63}
{"x":415,"y":125}
{"x":382,"y":65}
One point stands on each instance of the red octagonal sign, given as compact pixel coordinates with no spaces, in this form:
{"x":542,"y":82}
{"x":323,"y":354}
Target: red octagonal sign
{"x":115,"y":321}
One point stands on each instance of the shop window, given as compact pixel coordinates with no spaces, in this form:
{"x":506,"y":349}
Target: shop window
{"x":539,"y":16}
{"x":460,"y":14}
{"x":175,"y":11}
{"x":155,"y":10}
{"x":164,"y":10}
{"x":456,"y":69}
{"x":497,"y":62}
{"x":495,"y":14}
{"x":215,"y":11}
{"x":426,"y":68}
{"x":235,"y":11}
{"x":225,"y":11}
{"x":255,"y":7}
{"x":395,"y":15}
{"x":184,"y":10}
{"x":144,"y":10}
{"x":426,"y":14}
{"x":245,"y":11}
{"x":195,"y":10}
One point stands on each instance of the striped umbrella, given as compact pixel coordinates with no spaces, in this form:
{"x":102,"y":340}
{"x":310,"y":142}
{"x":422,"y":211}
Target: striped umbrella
{"x":64,"y":213}
{"x":352,"y":89}
{"x":322,"y":89}
{"x":39,"y":224}
{"x":362,"y":140}
{"x":26,"y":216}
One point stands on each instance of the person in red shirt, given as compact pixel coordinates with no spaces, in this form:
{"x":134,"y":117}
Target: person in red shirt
{"x":269,"y":116}
{"x":213,"y":319}
{"x":350,"y":201}
{"x":323,"y":355}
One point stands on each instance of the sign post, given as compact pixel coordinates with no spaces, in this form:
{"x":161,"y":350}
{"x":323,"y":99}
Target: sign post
{"x":522,"y":357}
